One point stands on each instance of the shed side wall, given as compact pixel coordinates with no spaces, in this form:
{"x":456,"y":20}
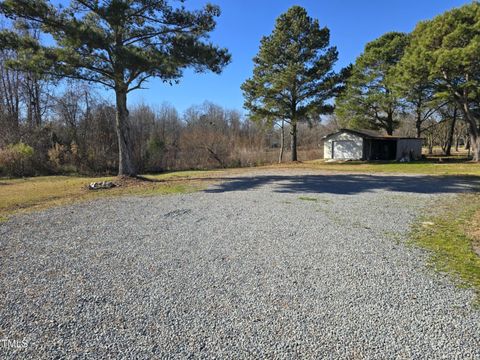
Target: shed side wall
{"x":409,"y":146}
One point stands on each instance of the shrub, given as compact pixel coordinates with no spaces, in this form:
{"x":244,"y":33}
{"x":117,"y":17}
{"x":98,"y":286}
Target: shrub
{"x":16,"y":159}
{"x":56,"y":156}
{"x":155,"y":153}
{"x":64,"y":159}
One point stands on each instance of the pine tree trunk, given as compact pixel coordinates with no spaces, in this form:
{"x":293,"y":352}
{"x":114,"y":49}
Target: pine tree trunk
{"x":126,"y":166}
{"x":418,"y":126}
{"x":475,"y":146}
{"x":451,"y":130}
{"x":474,"y":131}
{"x":293,"y":133}
{"x":37,"y":104}
{"x":390,"y":124}
{"x":282,"y":142}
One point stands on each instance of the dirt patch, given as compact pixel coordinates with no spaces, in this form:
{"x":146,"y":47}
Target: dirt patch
{"x":131,"y":181}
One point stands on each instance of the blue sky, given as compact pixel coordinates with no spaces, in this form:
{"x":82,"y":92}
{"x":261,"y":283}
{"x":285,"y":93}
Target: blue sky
{"x":243,"y":22}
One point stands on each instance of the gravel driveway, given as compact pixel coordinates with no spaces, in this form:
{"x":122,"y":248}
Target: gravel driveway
{"x":262,"y":266}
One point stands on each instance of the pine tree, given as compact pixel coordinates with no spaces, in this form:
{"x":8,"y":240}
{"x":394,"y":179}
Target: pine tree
{"x":293,"y":77}
{"x":119,"y":44}
{"x":369,"y":100}
{"x":447,"y":49}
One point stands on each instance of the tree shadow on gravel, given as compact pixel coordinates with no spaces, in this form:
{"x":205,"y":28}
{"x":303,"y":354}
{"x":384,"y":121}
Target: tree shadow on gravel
{"x":349,"y":184}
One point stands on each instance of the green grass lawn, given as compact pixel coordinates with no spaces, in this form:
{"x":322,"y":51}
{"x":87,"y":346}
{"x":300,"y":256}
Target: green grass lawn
{"x":450,"y":233}
{"x":420,"y":167}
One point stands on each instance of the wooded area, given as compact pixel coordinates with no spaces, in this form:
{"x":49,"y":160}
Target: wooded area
{"x":55,"y":116}
{"x":75,"y":133}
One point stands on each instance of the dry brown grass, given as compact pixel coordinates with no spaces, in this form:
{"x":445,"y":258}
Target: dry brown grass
{"x":30,"y":194}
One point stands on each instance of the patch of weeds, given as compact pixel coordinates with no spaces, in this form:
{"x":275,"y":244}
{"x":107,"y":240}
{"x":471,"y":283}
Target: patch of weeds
{"x":359,"y":225}
{"x":394,"y":236}
{"x":445,"y":234}
{"x":307,"y":198}
{"x":159,"y":189}
{"x":325,"y":201}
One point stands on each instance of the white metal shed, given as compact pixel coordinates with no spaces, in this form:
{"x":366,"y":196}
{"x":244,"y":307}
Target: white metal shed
{"x":349,"y":144}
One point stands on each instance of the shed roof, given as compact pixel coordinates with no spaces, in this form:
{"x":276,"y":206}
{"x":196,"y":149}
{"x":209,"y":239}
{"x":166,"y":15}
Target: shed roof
{"x":369,"y":134}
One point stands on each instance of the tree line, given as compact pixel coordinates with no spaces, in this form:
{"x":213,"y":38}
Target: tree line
{"x":423,"y":84}
{"x":75,"y":133}
{"x":430,"y":76}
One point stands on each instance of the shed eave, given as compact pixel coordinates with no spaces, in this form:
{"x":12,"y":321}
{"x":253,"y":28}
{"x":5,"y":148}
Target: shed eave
{"x":370,"y":137}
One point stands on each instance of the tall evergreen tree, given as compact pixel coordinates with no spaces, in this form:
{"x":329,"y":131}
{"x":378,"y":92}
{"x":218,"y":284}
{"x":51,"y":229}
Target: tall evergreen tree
{"x":293,"y":77}
{"x":116,"y":43}
{"x":447,"y":48}
{"x":369,"y":100}
{"x":418,"y":92}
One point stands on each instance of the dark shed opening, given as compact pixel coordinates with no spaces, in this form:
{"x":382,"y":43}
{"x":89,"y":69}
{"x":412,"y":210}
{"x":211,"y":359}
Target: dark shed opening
{"x":379,"y":149}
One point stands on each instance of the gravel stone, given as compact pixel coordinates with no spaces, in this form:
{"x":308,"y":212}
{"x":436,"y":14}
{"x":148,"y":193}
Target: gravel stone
{"x":245,"y":269}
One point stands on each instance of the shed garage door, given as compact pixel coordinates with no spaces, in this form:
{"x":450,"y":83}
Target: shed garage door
{"x":346,"y":149}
